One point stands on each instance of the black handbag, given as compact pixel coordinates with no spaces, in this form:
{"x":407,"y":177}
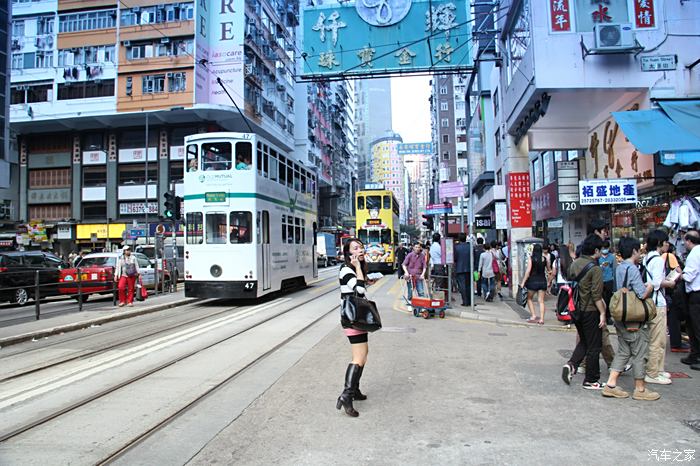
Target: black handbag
{"x":360,"y":313}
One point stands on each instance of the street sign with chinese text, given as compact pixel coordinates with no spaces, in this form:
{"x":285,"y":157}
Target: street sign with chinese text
{"x":560,"y":15}
{"x":596,"y":192}
{"x":520,"y":200}
{"x":437,"y":209}
{"x":567,"y":181}
{"x":414,"y":148}
{"x":659,"y":63}
{"x":395,"y":36}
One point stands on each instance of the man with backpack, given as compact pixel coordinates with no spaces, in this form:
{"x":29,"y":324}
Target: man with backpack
{"x":655,"y":272}
{"x":589,"y":316}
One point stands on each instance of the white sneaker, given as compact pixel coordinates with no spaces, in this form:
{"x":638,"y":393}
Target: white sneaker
{"x":665,"y":374}
{"x":659,"y":379}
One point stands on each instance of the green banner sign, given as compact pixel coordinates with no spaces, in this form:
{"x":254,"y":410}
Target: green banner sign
{"x":215,"y":197}
{"x":388,"y":36}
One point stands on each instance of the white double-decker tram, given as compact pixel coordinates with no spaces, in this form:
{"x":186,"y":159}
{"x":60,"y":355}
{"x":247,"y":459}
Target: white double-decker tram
{"x":250,"y":213}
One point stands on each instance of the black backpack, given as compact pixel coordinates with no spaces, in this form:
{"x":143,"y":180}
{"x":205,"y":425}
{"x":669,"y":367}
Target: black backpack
{"x":644,"y":272}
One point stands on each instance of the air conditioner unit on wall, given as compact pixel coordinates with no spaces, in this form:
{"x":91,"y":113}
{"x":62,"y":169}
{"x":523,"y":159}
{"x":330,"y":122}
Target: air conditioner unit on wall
{"x":613,"y":36}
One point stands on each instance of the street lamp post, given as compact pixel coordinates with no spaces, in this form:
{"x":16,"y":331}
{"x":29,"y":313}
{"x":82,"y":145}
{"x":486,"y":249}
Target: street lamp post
{"x":145,"y":199}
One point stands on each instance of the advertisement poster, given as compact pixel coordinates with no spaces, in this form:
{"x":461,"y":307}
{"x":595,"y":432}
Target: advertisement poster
{"x":520,"y":201}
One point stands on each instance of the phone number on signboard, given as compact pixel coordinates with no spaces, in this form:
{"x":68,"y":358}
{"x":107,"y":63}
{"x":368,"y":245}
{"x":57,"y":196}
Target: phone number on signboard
{"x":608,"y":200}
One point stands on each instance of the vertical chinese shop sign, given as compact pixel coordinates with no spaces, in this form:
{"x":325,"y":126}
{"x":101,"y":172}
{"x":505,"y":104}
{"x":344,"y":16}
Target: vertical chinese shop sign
{"x":520,"y":200}
{"x":644,"y":13}
{"x":560,"y":14}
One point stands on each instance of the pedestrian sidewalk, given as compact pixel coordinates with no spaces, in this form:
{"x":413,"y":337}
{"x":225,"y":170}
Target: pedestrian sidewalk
{"x":501,"y":310}
{"x":451,"y":392}
{"x":95,"y":316}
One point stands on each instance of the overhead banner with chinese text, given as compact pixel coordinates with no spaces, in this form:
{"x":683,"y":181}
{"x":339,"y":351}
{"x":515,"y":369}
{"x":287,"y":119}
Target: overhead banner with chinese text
{"x":393,"y":36}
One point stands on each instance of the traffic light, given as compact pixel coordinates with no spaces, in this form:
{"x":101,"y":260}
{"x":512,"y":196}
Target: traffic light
{"x":178,"y":208}
{"x":428,"y":223}
{"x":171,"y":209}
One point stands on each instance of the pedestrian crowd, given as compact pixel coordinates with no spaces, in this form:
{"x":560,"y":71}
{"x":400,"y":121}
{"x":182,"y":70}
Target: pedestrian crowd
{"x":610,"y":284}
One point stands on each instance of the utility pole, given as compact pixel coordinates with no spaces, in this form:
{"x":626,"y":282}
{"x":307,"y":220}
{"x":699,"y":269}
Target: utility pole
{"x":145,"y":199}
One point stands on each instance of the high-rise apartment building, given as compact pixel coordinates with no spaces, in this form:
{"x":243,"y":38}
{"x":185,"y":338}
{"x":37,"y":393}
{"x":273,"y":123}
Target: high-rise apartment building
{"x":373,"y":120}
{"x":104,"y":92}
{"x":8,"y":161}
{"x":387,"y":168}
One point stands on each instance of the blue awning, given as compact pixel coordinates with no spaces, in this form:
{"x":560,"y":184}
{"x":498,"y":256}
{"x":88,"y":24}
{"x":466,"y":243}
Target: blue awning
{"x":652,"y":131}
{"x":684,"y":113}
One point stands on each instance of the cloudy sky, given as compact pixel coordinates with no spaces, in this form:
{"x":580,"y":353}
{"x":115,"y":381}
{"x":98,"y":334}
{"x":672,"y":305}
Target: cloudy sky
{"x":410,"y":108}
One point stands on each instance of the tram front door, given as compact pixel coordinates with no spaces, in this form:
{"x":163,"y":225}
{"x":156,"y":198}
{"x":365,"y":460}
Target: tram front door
{"x":266,"y":256}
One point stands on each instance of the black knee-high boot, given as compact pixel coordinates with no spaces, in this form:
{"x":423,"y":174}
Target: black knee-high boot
{"x":345,"y":399}
{"x":357,"y":394}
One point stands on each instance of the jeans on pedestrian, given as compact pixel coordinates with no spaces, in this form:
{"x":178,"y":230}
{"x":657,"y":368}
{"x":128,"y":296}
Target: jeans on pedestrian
{"x":589,"y":344}
{"x":657,"y":343}
{"x":632,"y":349}
{"x":464,"y":286}
{"x":487,"y":286}
{"x":419,"y":288}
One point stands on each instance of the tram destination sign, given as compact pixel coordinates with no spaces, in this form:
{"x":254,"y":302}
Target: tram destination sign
{"x":215,"y":197}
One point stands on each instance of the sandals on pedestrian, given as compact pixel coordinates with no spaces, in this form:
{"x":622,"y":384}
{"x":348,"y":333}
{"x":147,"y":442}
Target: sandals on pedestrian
{"x":532,"y":320}
{"x":541,"y":321}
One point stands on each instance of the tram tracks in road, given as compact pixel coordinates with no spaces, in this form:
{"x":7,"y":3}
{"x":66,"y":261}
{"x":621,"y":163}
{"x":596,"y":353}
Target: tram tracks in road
{"x":33,"y":424}
{"x":119,"y":343}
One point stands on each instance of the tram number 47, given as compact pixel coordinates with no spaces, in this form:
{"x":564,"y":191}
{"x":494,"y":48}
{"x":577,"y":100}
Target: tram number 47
{"x":568,"y":206}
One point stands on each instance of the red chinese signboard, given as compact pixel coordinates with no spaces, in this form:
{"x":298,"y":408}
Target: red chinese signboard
{"x":545,"y":203}
{"x":644,"y":14}
{"x":520,"y":201}
{"x":560,"y":14}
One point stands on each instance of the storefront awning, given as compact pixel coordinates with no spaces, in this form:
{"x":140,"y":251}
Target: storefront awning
{"x":684,"y":113}
{"x":652,"y":131}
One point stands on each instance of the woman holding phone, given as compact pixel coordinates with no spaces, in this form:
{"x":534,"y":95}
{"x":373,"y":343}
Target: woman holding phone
{"x":353,"y":279}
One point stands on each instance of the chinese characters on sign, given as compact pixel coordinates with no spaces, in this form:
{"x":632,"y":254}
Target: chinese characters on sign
{"x":414,"y":148}
{"x":659,"y":63}
{"x":560,"y":14}
{"x":520,"y":201}
{"x":644,"y":14}
{"x":596,"y":192}
{"x":376,"y":36}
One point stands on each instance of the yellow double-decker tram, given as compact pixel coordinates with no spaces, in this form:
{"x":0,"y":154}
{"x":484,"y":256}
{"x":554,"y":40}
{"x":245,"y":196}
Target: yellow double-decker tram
{"x":377,"y":225}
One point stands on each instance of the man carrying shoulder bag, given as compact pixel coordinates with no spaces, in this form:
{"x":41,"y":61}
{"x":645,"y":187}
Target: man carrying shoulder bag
{"x":633,"y":333}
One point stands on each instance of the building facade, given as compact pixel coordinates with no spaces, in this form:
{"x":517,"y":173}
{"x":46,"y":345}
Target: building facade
{"x":103,"y":94}
{"x":9,"y":188}
{"x":387,"y":168}
{"x":372,"y":120}
{"x":568,"y":67}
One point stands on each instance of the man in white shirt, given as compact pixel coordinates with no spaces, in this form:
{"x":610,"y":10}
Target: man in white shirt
{"x":438,"y":270}
{"x":657,"y":244}
{"x":691,"y":276}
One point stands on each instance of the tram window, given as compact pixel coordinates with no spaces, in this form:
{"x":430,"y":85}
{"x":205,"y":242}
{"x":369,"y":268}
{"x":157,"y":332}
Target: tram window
{"x":192,"y":162}
{"x":244,"y":156}
{"x":283,"y":170}
{"x":217,"y":156}
{"x":297,"y":180}
{"x":396,"y":237}
{"x":290,"y":174}
{"x":258,"y":230}
{"x":215,"y":228}
{"x":303,"y":231}
{"x":304,"y":184}
{"x":261,"y":156}
{"x":362,"y":235}
{"x":239,"y":227}
{"x":266,"y":156}
{"x":290,"y":230}
{"x":297,"y":230}
{"x":374,"y":202}
{"x":386,"y":236}
{"x":387,"y":202}
{"x":313,"y":186}
{"x":194,"y":228}
{"x":360,"y":202}
{"x":273,"y":165}
{"x":395,"y":207}
{"x":284,"y":229}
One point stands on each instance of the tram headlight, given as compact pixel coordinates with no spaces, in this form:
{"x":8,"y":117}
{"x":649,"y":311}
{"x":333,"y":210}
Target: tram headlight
{"x":215,"y":271}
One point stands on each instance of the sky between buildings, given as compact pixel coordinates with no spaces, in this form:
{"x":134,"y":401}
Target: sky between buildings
{"x":410,"y":107}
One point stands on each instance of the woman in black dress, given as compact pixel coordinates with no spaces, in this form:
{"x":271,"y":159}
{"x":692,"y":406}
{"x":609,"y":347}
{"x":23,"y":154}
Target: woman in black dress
{"x":535,"y":281}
